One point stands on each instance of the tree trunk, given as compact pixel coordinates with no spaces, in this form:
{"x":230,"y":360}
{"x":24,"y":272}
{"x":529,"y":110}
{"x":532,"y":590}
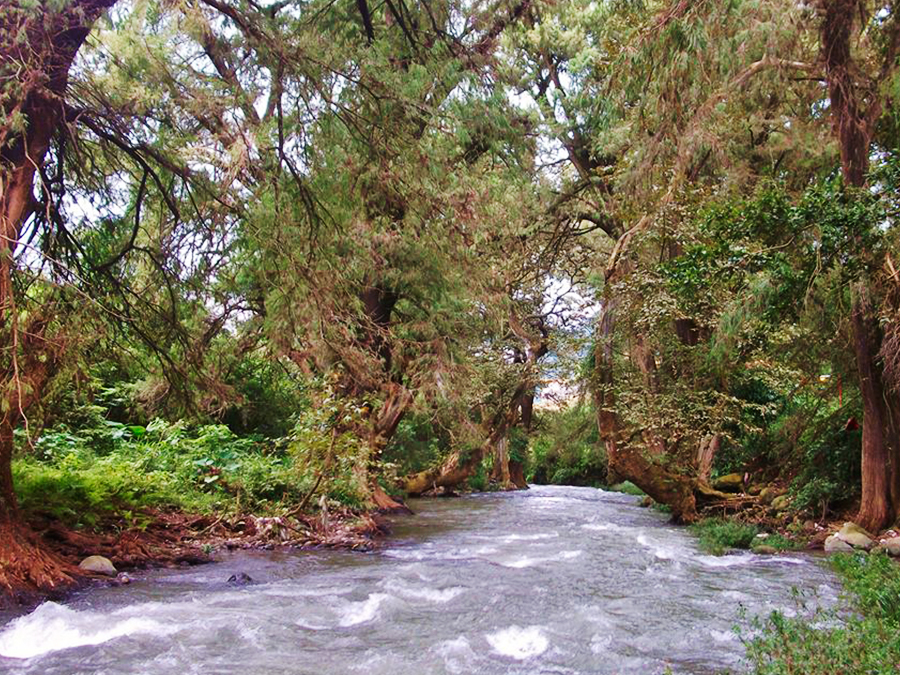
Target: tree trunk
{"x":853,"y":126}
{"x":604,"y":397}
{"x":43,"y":46}
{"x":500,"y":472}
{"x":877,"y":507}
{"x":706,"y":454}
{"x":395,"y":406}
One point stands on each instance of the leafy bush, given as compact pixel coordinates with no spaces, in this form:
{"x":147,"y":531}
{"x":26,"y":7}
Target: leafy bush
{"x":717,"y":535}
{"x":115,"y":470}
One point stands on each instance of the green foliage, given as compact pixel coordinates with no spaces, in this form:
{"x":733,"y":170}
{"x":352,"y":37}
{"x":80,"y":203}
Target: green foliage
{"x":85,"y":476}
{"x":567,"y":449}
{"x":718,"y":535}
{"x":777,"y":541}
{"x":417,"y":444}
{"x":874,"y":584}
{"x":835,"y":641}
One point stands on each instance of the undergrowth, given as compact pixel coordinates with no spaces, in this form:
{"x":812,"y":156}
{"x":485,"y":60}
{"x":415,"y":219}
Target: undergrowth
{"x":862,"y":641}
{"x":718,"y":535}
{"x":86,"y":477}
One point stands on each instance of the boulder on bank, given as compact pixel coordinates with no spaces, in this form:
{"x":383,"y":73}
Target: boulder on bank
{"x":781,"y":503}
{"x":732,"y":482}
{"x":97,"y":564}
{"x":889,"y":546}
{"x":835,"y":545}
{"x":855,"y":536}
{"x":770,"y":494}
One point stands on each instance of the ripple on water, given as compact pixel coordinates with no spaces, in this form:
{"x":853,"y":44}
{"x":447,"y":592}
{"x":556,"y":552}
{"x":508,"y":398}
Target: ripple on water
{"x":411,"y":591}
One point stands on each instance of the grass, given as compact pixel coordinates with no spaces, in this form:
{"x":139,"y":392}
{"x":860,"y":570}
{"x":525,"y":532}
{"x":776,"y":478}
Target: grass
{"x":718,"y":535}
{"x":777,"y":541}
{"x":865,"y":641}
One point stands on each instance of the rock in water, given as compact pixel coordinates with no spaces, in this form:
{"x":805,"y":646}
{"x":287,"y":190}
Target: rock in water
{"x":856,"y":536}
{"x":835,"y":545}
{"x":733,"y":482}
{"x":240,"y":579}
{"x":98,"y":565}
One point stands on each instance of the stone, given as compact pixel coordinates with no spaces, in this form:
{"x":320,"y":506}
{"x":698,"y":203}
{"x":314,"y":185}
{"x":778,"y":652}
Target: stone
{"x":856,"y":536}
{"x":123,"y":579}
{"x":240,"y":579}
{"x":769,"y":494}
{"x":755,"y":489}
{"x":781,"y":503}
{"x":891,"y":547}
{"x":646,"y":501}
{"x":732,"y":482}
{"x":765,"y":549}
{"x":835,"y":545}
{"x":97,"y":564}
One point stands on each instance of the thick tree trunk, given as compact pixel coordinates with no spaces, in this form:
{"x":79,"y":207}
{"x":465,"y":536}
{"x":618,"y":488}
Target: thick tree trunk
{"x":853,"y":126}
{"x":880,"y":453}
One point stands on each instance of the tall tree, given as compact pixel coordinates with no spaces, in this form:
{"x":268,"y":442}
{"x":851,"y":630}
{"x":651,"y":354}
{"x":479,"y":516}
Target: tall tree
{"x":38,"y":50}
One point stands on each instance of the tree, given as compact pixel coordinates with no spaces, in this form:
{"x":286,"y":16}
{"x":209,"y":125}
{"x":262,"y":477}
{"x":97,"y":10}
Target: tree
{"x":36,"y":57}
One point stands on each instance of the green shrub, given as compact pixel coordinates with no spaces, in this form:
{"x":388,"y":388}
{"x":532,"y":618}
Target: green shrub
{"x":717,"y":535}
{"x":832,"y":641}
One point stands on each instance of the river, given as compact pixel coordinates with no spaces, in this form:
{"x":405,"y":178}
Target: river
{"x":558,"y":580}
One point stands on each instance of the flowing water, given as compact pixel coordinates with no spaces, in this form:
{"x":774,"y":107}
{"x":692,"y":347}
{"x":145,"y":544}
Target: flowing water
{"x":553,"y":580}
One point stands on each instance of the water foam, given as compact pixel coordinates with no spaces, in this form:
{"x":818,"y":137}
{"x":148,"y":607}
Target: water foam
{"x":519,"y":643}
{"x":530,"y":562}
{"x":360,"y":612}
{"x":53,"y":627}
{"x":458,"y":655}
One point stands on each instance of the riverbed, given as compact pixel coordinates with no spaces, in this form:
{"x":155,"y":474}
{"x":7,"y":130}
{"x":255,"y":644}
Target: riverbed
{"x":559,"y":580}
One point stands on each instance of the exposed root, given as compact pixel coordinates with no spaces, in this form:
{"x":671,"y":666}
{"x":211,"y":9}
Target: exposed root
{"x":29,"y":569}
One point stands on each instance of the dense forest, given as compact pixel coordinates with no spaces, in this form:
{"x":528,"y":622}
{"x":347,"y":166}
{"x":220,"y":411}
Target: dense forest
{"x":272,"y":261}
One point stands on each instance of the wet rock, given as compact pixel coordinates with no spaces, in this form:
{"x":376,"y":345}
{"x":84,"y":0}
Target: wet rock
{"x":97,"y":564}
{"x":856,"y":536}
{"x":835,"y":545}
{"x":732,"y":482}
{"x":240,"y":579}
{"x":781,"y":503}
{"x":646,"y":501}
{"x":122,"y":579}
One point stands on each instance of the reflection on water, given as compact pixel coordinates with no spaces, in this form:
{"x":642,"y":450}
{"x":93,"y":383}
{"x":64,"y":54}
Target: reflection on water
{"x":552,"y":580}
